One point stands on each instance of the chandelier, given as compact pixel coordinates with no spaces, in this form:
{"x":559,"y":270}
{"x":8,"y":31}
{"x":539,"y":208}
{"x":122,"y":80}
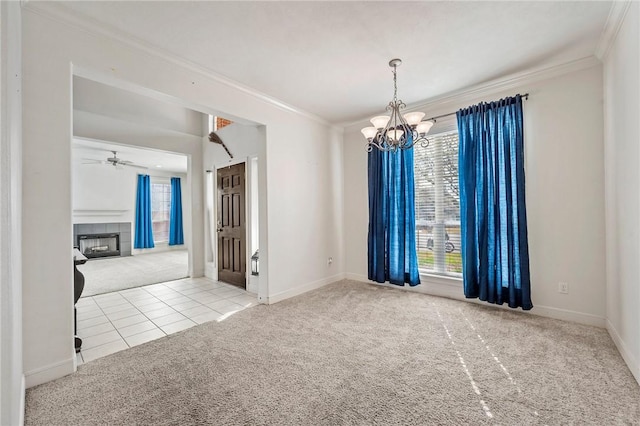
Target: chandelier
{"x":397,"y":131}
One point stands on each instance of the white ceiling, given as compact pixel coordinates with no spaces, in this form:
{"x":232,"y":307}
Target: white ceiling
{"x":330,"y":58}
{"x":85,"y":149}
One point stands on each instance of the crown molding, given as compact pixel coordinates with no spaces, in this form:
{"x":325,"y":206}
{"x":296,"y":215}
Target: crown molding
{"x":513,"y":81}
{"x":611,"y":28}
{"x":61,"y":14}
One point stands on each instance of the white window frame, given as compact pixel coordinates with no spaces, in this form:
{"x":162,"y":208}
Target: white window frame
{"x":439,"y":273}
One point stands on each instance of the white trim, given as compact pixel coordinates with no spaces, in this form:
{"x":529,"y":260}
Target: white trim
{"x":445,"y":288}
{"x":296,"y":291}
{"x":49,"y":372}
{"x":611,"y":28}
{"x":98,"y":212}
{"x":632,"y":363}
{"x":23,"y":396}
{"x":514,"y":81}
{"x":567,"y":315}
{"x":61,"y":14}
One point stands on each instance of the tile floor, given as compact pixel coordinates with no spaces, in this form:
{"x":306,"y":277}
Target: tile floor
{"x":111,"y":322}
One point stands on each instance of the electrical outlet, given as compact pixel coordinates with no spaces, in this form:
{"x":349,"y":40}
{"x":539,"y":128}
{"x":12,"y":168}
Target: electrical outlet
{"x":329,"y":261}
{"x":563,"y":287}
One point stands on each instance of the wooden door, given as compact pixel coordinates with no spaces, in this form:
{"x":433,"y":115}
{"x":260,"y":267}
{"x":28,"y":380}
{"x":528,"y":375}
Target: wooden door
{"x":231,"y":225}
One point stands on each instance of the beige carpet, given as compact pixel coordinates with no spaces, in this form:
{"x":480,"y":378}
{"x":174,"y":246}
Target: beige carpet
{"x":353,"y":353}
{"x":119,"y":273}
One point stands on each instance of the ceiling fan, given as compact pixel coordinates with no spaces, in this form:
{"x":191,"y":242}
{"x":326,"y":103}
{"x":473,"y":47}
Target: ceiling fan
{"x":114,"y":161}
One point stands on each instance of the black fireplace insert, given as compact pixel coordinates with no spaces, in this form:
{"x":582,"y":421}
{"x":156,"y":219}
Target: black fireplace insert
{"x":99,"y":245}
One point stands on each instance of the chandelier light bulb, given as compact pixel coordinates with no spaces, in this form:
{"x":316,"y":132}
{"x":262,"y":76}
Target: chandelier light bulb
{"x":369,"y":132}
{"x":380,"y":121}
{"x":424,"y":127}
{"x":413,"y":118}
{"x":395,"y":135}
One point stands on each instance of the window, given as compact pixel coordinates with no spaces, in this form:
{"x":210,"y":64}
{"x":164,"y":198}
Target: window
{"x":438,"y":205}
{"x":160,"y":210}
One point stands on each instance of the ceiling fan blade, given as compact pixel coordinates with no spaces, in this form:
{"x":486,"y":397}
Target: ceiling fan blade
{"x":91,"y":161}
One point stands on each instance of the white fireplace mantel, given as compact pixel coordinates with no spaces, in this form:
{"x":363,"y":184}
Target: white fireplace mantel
{"x":98,"y":212}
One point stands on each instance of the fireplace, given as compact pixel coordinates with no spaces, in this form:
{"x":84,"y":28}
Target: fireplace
{"x":99,"y":245}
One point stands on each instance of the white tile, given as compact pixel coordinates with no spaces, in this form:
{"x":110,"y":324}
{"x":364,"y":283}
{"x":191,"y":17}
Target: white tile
{"x":177,"y":301}
{"x":127,"y":321}
{"x":95,"y":330}
{"x":191,"y":312}
{"x":177,"y":326}
{"x":123,"y":314}
{"x":244,"y":300}
{"x":158,"y":290}
{"x":209,"y":298}
{"x":104,"y":350}
{"x":144,"y":337}
{"x":150,"y":287}
{"x":100,"y":339}
{"x":144,"y":302}
{"x":110,"y":301}
{"x":190,"y":291}
{"x":186,"y":305}
{"x":226,"y":292}
{"x":159,"y":312}
{"x":206,"y":317}
{"x":85,"y":315}
{"x":170,"y":296}
{"x":106,"y":296}
{"x":90,"y":322}
{"x":85,"y":301}
{"x":142,"y":295}
{"x":117,"y":308}
{"x":201,"y":293}
{"x":168,"y":319}
{"x":225,"y":306}
{"x":136,"y":328}
{"x":152,"y":307}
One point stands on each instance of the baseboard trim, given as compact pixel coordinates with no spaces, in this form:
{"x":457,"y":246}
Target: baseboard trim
{"x":23,"y":392}
{"x":449,"y":291}
{"x":567,"y":315}
{"x":50,"y":372}
{"x":632,"y":363}
{"x":296,"y":291}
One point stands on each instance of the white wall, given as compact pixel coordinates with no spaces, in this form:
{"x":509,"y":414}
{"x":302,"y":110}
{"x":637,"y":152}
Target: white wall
{"x":102,"y":99}
{"x":300,"y":174}
{"x":622,"y":185}
{"x":564,"y":191}
{"x":11,"y":377}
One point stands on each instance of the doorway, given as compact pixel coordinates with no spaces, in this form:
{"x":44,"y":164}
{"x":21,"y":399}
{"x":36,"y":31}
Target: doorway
{"x":231,"y":225}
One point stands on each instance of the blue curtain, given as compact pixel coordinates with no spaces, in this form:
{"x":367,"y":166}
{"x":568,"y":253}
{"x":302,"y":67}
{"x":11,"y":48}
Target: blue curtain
{"x":176,"y":236}
{"x":392,"y":226}
{"x":144,"y":231}
{"x":495,"y":253}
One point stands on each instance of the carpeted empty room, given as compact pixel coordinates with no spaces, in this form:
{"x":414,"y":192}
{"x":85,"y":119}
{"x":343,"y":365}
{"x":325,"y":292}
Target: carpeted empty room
{"x":354,"y":353}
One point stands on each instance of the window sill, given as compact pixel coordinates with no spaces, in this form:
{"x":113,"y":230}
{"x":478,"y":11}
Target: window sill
{"x":429,"y":278}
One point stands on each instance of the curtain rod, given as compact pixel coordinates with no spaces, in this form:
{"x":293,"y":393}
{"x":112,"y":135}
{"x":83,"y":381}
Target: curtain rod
{"x":525,"y":96}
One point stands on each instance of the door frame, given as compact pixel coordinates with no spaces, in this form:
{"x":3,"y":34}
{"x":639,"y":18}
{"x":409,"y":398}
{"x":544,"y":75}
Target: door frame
{"x":252,"y":285}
